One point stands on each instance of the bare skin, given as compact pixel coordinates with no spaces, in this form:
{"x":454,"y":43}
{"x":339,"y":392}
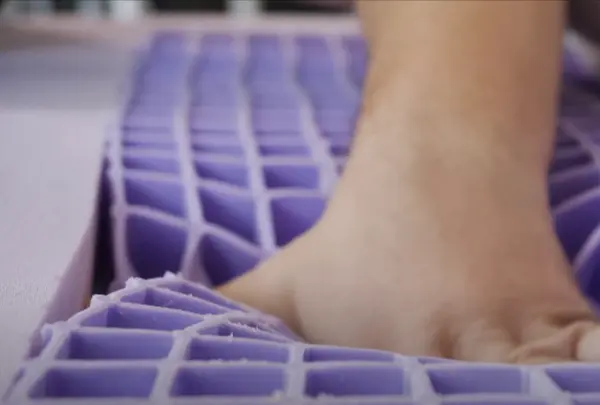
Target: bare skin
{"x":438,"y":240}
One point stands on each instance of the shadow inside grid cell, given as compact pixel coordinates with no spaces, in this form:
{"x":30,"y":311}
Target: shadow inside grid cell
{"x":131,"y":317}
{"x":582,"y":380}
{"x":284,"y":150}
{"x":355,"y":381}
{"x":164,"y":298}
{"x":149,"y":255}
{"x":97,"y":345}
{"x":235,"y":174}
{"x":224,"y":260}
{"x":289,"y":176}
{"x":561,"y":163}
{"x":292,"y":216}
{"x":234,"y":381}
{"x":165,"y":196}
{"x":319,"y":354}
{"x":233,"y":211}
{"x":150,"y":144}
{"x":574,"y":223}
{"x":478,"y":380}
{"x":151,"y":164}
{"x":240,"y":351}
{"x":90,"y":382}
{"x":226,"y":149}
{"x":574,"y":184}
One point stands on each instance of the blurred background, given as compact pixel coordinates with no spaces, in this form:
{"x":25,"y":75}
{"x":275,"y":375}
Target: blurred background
{"x":126,"y":9}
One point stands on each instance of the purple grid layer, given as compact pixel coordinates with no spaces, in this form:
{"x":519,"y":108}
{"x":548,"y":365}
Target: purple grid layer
{"x":167,"y":340}
{"x":227,"y":153}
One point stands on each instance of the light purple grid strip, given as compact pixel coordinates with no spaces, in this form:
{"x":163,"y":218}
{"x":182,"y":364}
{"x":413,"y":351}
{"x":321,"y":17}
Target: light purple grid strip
{"x":171,"y":340}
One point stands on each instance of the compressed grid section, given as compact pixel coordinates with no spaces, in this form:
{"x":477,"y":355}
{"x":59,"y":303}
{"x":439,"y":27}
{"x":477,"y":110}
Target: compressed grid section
{"x":168,"y":340}
{"x":224,"y":156}
{"x":229,"y":146}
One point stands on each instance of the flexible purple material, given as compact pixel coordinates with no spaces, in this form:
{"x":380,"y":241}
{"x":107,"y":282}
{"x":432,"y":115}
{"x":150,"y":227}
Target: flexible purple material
{"x":227,"y":153}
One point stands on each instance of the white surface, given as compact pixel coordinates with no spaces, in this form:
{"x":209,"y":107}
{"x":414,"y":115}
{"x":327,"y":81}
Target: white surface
{"x":60,"y":83}
{"x":55,"y":104}
{"x":48,"y":169}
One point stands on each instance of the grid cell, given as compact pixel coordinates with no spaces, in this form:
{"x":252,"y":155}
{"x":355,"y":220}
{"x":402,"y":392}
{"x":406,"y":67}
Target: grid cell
{"x":234,"y":212}
{"x":288,"y":176}
{"x":582,"y":380}
{"x":223,"y":260}
{"x":236,"y":351}
{"x":151,"y":164}
{"x":82,"y":382}
{"x":235,"y":174}
{"x":91,"y":345}
{"x":292,"y":216}
{"x":232,"y":381}
{"x":214,"y":148}
{"x":243,"y":332}
{"x":355,"y":381}
{"x":327,"y":354}
{"x":477,"y":379}
{"x":133,"y":317}
{"x":149,"y":255}
{"x":163,"y":298}
{"x":284,"y":150}
{"x":573,"y":184}
{"x":166,"y":196}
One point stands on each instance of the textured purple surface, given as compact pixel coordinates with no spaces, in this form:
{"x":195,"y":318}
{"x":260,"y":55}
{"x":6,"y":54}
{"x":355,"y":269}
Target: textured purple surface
{"x":227,"y":152}
{"x":167,"y":340}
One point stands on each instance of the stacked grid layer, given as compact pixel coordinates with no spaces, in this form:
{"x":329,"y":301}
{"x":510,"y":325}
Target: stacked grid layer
{"x":167,"y":340}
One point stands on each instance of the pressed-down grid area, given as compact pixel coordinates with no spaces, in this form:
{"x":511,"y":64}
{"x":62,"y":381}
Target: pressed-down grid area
{"x":230,"y":146}
{"x":167,"y":340}
{"x":228,"y":150}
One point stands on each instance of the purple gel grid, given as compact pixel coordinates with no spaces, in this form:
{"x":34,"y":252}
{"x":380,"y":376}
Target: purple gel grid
{"x":227,"y":153}
{"x":168,"y":340}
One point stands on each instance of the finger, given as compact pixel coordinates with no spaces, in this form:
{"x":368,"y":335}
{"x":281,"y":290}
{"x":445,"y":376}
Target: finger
{"x":579,"y":341}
